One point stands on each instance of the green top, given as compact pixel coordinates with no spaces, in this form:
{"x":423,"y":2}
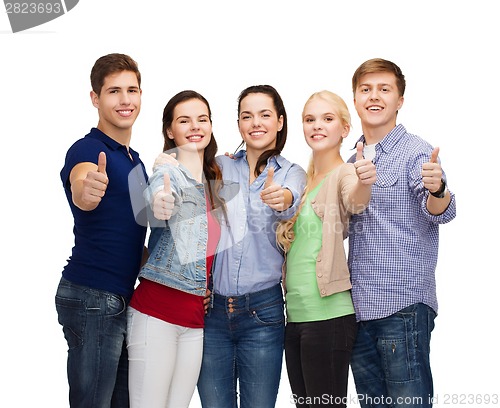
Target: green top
{"x":303,"y":301}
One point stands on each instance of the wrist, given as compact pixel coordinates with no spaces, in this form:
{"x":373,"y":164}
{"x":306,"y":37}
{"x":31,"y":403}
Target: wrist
{"x":441,"y":192}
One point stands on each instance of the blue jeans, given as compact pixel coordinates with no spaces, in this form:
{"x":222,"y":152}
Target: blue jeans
{"x":390,"y":361}
{"x":244,"y":340}
{"x":94,"y":325}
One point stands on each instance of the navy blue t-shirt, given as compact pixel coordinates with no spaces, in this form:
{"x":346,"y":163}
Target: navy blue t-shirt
{"x":109,"y":240}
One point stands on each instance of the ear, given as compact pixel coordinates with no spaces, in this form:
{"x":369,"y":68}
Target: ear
{"x":280,"y":123}
{"x":400,"y":102}
{"x":345,"y":131}
{"x":95,"y":99}
{"x":170,"y":134}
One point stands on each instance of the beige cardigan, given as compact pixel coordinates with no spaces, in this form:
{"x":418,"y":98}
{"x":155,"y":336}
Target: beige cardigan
{"x":333,"y":206}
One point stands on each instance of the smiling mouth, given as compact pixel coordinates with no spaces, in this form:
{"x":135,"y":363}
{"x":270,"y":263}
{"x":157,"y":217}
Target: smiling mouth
{"x":195,"y":138}
{"x":257,"y":134}
{"x":375,"y":108}
{"x":125,"y":112}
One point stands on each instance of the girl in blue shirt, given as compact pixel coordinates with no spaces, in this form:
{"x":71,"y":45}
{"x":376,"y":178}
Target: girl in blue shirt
{"x":244,"y":327}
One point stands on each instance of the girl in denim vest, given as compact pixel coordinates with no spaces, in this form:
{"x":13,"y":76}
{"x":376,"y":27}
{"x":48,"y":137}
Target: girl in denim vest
{"x":166,"y":313}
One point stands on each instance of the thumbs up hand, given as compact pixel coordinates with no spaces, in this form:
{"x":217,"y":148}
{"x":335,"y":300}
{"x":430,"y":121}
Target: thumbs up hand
{"x":273,"y":194}
{"x":163,"y":202}
{"x":95,"y":183}
{"x":432,"y":173}
{"x":365,"y":169}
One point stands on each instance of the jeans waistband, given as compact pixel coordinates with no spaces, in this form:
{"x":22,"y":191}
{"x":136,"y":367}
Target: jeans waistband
{"x":274,"y":294}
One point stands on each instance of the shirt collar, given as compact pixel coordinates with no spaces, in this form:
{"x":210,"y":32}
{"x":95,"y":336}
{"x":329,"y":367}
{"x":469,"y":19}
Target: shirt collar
{"x":276,"y":161}
{"x":390,"y":140}
{"x":98,"y":134}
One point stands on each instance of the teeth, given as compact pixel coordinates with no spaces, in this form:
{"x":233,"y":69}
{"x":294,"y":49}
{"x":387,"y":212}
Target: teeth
{"x":375,"y":108}
{"x":256,"y":133}
{"x":194,"y":138}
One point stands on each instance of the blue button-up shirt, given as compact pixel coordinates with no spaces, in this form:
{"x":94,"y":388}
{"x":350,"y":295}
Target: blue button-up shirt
{"x":393,"y":244}
{"x":248,"y":259}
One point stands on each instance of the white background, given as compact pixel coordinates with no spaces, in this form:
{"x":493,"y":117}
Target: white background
{"x":448,"y":51}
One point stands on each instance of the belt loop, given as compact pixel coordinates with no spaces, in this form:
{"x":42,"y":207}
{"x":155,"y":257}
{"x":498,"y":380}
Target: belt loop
{"x":247,"y":301}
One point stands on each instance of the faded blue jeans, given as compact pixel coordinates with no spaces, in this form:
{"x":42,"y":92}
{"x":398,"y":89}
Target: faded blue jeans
{"x":244,"y":342}
{"x":94,"y":325}
{"x":390,"y":361}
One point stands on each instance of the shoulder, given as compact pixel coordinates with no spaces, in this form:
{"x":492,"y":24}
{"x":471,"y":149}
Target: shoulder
{"x":288,"y":165}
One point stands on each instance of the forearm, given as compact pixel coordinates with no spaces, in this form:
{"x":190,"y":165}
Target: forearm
{"x":360,"y":196}
{"x":437,"y":206}
{"x":77,"y":195}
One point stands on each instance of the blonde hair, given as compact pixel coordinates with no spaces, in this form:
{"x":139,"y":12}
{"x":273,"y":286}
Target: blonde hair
{"x":284,"y":231}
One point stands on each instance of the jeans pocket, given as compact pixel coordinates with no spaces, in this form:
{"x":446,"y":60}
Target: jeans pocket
{"x":398,"y":358}
{"x":72,"y":317}
{"x":270,"y":315}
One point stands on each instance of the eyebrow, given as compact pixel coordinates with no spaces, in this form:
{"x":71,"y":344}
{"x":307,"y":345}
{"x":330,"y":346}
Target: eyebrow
{"x":261,"y":111}
{"x":367,"y":84}
{"x":187,"y":117}
{"x":120,"y":87}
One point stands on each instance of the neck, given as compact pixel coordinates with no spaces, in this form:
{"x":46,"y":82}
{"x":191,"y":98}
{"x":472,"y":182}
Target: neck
{"x":193,"y":161}
{"x":252,"y":157}
{"x":376,"y":134}
{"x":121,"y":136}
{"x":326,"y":161}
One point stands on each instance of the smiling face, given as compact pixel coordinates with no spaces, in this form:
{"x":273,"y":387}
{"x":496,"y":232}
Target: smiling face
{"x":258,"y":122}
{"x":323,"y":126}
{"x":118,"y":103}
{"x":191,"y":127}
{"x":377,"y":101}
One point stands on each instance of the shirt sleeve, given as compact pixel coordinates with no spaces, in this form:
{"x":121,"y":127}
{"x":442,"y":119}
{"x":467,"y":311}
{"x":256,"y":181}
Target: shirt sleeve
{"x":422,"y":194}
{"x":295,"y":182}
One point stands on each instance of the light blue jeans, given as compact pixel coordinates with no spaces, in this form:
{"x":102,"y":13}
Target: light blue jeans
{"x":244,"y":341}
{"x":390,"y":361}
{"x":94,"y":325}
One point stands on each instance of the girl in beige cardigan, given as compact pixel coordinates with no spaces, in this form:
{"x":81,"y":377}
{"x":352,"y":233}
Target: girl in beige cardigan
{"x":321,"y":325}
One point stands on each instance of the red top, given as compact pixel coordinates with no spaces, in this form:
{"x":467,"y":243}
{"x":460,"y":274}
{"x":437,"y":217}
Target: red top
{"x":172,"y":305}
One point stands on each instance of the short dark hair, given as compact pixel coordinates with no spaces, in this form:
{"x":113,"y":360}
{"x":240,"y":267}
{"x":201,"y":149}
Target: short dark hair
{"x":110,"y":64}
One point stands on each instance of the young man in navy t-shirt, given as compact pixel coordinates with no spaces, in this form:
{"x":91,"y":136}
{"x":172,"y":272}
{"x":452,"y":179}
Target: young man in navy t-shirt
{"x":104,"y":180}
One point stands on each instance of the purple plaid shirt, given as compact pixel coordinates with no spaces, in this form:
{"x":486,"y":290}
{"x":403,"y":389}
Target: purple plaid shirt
{"x":393,"y":244}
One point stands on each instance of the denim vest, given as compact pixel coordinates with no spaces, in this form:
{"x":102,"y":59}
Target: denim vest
{"x":177,"y":247}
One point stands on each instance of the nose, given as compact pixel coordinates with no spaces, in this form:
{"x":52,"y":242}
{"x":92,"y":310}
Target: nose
{"x":256,"y":121}
{"x":374,"y":95}
{"x":317,"y":124}
{"x":125,"y":98}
